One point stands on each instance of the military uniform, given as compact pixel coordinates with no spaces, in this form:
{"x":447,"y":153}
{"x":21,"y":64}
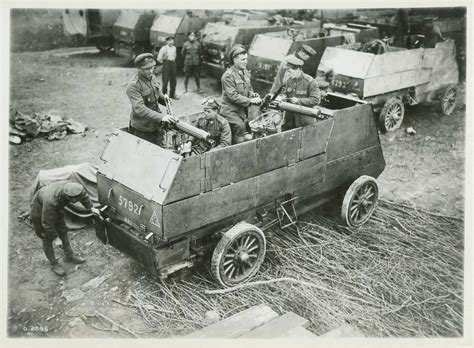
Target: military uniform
{"x":283,"y":67}
{"x":145,"y":96}
{"x":47,"y":216}
{"x":191,"y":52}
{"x":236,"y":95}
{"x":219,"y":129}
{"x":306,"y":89}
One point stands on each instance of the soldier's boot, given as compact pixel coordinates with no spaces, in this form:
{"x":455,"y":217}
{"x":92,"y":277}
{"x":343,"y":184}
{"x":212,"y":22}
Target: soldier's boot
{"x":69,"y":255}
{"x":49,"y":252}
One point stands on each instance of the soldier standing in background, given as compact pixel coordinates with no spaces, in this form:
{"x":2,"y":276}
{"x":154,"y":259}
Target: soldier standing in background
{"x":191,"y":52}
{"x":167,"y":57}
{"x":48,"y":218}
{"x":146,"y":119}
{"x":304,"y":53}
{"x":300,"y":89}
{"x":237,"y":93}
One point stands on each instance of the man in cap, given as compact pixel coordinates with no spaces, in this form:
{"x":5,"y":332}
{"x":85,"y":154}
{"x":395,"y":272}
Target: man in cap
{"x":192,"y":52}
{"x":167,"y":57}
{"x":300,"y":89}
{"x":237,"y":93}
{"x":48,"y":220}
{"x":432,"y":33}
{"x":304,"y":53}
{"x":146,"y":119}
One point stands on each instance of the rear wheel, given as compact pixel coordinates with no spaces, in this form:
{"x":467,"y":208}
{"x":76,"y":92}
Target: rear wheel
{"x":238,"y":255}
{"x":360,"y":201}
{"x":391,"y":116}
{"x":448,"y":100}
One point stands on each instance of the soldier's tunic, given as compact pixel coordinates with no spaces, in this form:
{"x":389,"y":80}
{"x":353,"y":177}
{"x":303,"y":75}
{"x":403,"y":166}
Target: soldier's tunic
{"x":47,"y":210}
{"x":145,"y":119}
{"x":236,"y":92}
{"x":219,"y":129}
{"x":307,"y":91}
{"x":282,"y":69}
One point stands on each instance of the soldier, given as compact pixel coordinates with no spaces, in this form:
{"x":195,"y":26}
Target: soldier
{"x":304,"y":53}
{"x":146,"y":119}
{"x":300,"y":89}
{"x":167,"y":57}
{"x":191,"y":52}
{"x":432,"y":33}
{"x":214,"y":124}
{"x":48,"y":219}
{"x":237,"y":93}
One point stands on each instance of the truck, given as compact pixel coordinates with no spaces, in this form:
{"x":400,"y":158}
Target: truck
{"x":268,"y":50}
{"x":95,"y":25}
{"x":170,"y":212}
{"x":132,"y":32}
{"x":219,"y":37}
{"x":392,"y":78}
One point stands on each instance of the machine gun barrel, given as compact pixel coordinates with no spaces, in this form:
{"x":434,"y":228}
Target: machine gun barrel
{"x":193,"y":131}
{"x":304,"y":110}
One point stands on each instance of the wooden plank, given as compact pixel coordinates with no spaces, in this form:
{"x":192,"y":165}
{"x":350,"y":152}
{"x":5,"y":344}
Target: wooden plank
{"x":314,"y":138}
{"x":344,"y":330}
{"x":277,"y":327}
{"x":237,"y":324}
{"x":297,"y":332}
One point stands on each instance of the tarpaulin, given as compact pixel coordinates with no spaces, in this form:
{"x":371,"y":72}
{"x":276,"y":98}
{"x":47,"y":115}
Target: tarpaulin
{"x":75,"y":22}
{"x":85,"y":174}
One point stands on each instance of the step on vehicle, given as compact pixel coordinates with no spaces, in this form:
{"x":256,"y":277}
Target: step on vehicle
{"x":392,"y":78}
{"x":167,"y":212}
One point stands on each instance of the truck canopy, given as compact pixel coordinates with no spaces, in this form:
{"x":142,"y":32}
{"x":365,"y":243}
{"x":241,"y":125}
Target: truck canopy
{"x":128,"y":19}
{"x":270,"y":47}
{"x":167,"y":24}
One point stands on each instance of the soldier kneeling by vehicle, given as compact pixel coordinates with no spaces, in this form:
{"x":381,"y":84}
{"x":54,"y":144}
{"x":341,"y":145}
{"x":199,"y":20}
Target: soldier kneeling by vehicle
{"x":213,"y":123}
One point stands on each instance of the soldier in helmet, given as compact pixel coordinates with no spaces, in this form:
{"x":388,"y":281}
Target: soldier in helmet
{"x":301,"y":89}
{"x":48,"y":220}
{"x":237,"y":93}
{"x":146,"y":119}
{"x":304,"y":53}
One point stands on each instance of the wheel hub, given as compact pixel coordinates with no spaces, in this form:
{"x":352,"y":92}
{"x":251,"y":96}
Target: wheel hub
{"x":241,"y":256}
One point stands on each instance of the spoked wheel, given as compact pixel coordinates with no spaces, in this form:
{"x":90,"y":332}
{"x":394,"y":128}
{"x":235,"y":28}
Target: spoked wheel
{"x":238,"y":255}
{"x":360,"y":201}
{"x":391,"y":116}
{"x":449,"y":99}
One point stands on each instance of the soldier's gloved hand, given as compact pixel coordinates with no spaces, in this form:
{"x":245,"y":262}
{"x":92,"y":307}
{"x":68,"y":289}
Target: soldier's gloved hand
{"x":256,"y":101}
{"x":169,"y":119}
{"x":254,"y":95}
{"x":293,"y":100}
{"x":267,"y":98}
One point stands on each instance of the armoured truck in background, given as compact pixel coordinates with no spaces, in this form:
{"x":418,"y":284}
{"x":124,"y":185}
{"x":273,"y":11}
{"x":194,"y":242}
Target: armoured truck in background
{"x":268,"y":50}
{"x":132,"y":32}
{"x":218,"y":38}
{"x":177,"y":25}
{"x":170,"y":212}
{"x":94,"y":25}
{"x":393,"y":77}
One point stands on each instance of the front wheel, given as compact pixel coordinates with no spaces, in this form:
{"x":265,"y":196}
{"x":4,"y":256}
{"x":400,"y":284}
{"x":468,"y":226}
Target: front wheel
{"x":448,"y":100}
{"x":238,"y":255}
{"x":360,"y":201}
{"x":391,"y":116}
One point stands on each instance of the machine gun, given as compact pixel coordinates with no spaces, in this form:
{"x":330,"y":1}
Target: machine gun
{"x":187,"y":128}
{"x":270,"y":102}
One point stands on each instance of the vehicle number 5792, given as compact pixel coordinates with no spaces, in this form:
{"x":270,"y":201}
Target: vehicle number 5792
{"x":131,"y":206}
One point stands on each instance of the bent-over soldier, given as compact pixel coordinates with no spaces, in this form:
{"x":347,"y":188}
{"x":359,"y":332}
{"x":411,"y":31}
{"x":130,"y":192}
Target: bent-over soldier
{"x":300,"y":89}
{"x":237,"y":93}
{"x":47,"y":217}
{"x":146,"y":119}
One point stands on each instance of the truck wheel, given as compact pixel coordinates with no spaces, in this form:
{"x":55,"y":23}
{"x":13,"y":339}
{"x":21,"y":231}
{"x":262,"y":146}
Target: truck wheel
{"x":391,"y":116}
{"x":360,"y":201}
{"x":238,"y":255}
{"x":448,"y":100}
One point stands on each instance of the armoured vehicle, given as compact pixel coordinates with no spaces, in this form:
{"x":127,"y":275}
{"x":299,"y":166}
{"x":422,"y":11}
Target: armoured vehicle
{"x":177,"y":25}
{"x":393,"y":77}
{"x":132,"y":32}
{"x":268,"y":50}
{"x":95,"y":25}
{"x":167,"y":211}
{"x":218,"y":38}
{"x":244,"y":15}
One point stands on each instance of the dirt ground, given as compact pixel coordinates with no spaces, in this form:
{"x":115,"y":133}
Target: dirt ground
{"x":425,"y":170}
